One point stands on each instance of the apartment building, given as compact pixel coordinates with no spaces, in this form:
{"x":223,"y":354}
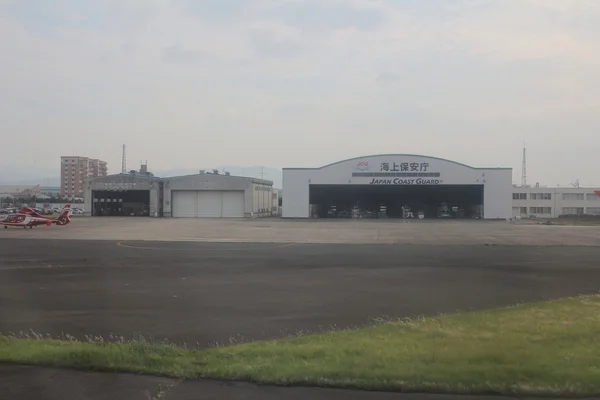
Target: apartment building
{"x":552,"y":202}
{"x":97,"y":167}
{"x":74,"y":170}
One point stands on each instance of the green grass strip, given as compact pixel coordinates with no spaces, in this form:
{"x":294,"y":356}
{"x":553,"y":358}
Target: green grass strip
{"x":542,"y":349}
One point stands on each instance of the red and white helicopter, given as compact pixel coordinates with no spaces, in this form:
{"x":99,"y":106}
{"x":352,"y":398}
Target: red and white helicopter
{"x":28,"y":218}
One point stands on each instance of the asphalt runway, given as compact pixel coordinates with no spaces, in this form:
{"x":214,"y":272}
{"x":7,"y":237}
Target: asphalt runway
{"x":201,"y":293}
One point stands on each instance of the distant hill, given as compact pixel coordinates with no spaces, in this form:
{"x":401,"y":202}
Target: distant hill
{"x":31,"y":182}
{"x":30,"y":175}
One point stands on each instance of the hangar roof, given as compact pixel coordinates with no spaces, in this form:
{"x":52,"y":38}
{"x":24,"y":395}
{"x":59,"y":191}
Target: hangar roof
{"x":401,"y":155}
{"x":128,"y":176}
{"x":222,"y":176}
{"x":172,"y":178}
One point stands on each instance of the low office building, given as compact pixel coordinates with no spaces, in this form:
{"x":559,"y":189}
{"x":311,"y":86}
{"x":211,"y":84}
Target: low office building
{"x":204,"y":195}
{"x":546,"y":202}
{"x":28,"y":191}
{"x":50,"y":191}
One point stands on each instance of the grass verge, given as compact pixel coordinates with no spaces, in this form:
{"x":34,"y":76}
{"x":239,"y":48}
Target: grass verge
{"x":550,"y":348}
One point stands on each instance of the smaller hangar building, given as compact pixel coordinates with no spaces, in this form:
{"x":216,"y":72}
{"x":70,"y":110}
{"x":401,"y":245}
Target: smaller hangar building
{"x":204,"y":195}
{"x":123,"y":194}
{"x":392,"y":185}
{"x":217,"y":196}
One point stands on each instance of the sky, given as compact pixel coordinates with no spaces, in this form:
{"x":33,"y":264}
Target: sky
{"x":193,"y":84}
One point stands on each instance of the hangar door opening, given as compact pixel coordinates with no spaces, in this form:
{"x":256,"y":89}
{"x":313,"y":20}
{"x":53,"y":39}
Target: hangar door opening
{"x":207,"y":204}
{"x":396,"y":201}
{"x":134,"y":203}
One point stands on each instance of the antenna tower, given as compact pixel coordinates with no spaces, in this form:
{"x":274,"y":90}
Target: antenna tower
{"x":124,"y":162}
{"x":524,"y":168}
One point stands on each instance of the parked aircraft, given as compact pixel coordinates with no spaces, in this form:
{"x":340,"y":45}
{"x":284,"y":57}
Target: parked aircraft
{"x":28,"y":218}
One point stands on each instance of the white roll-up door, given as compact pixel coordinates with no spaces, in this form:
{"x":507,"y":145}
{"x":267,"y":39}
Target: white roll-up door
{"x":208,"y":204}
{"x":233,"y":204}
{"x":185,"y":203}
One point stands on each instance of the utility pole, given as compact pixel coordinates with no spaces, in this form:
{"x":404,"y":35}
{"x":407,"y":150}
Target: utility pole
{"x":524,"y":168}
{"x":124,"y":162}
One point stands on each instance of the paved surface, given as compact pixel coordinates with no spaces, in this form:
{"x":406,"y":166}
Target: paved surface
{"x":314,"y":231}
{"x":205,"y":390}
{"x":200,"y":293}
{"x":36,"y":383}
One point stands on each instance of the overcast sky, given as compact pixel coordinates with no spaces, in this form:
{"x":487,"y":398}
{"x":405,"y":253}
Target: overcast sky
{"x":294,"y":83}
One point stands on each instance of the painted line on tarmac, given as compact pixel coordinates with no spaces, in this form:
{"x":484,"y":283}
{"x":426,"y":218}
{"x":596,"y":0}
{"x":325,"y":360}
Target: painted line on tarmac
{"x":122,"y":244}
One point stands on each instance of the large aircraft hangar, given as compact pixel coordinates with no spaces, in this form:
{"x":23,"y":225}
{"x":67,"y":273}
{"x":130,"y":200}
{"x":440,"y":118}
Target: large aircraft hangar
{"x":397,"y":186}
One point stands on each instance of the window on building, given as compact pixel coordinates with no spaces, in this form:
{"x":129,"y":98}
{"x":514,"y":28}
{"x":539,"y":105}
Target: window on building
{"x":592,"y":196}
{"x":541,"y":196}
{"x":519,"y":196}
{"x":572,"y":210}
{"x":593,"y":211}
{"x":540,"y":210}
{"x":572,"y":196}
{"x":523,"y":210}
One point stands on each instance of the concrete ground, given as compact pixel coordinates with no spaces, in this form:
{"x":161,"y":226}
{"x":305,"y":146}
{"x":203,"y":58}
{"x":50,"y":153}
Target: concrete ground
{"x":200,"y":293}
{"x":34,"y":383}
{"x":190,"y":288}
{"x":314,"y":231}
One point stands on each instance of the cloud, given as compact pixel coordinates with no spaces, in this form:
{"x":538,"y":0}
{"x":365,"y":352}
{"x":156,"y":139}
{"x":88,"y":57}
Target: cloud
{"x":273,"y":39}
{"x":222,"y":9}
{"x":326,"y":15}
{"x":236,"y":80}
{"x":174,"y":53}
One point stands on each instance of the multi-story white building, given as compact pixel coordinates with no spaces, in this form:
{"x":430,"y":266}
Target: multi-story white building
{"x":546,"y":202}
